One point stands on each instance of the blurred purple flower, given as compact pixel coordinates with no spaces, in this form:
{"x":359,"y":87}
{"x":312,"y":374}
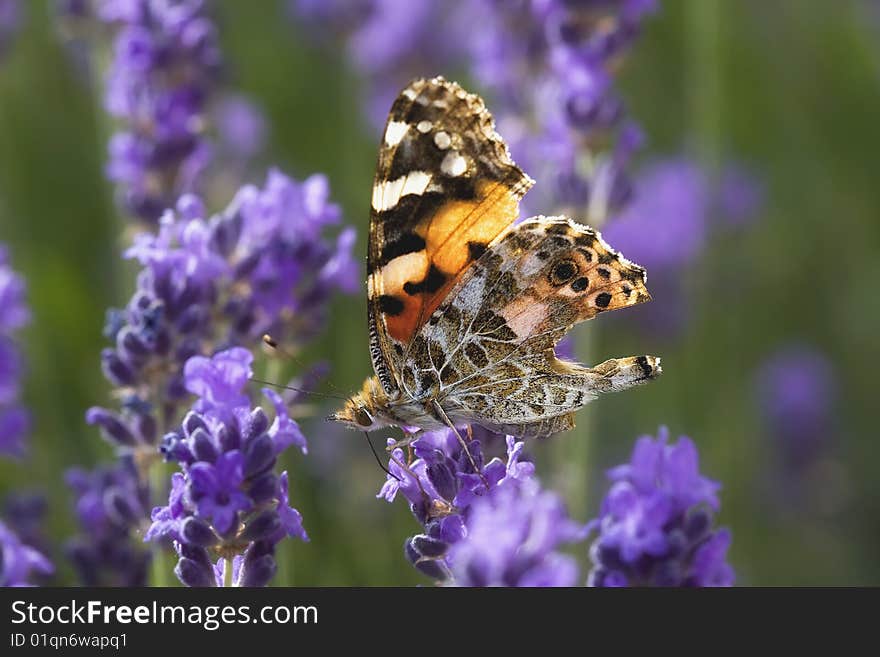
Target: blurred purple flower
{"x":110,"y":504}
{"x":14,"y":315}
{"x":740,"y":196}
{"x":10,"y":23}
{"x":655,"y":526}
{"x":512,"y":536}
{"x":227,"y":499}
{"x":164,"y":69}
{"x":665,"y":226}
{"x":390,"y":42}
{"x":547,"y":64}
{"x":796,"y":393}
{"x":19,"y":561}
{"x":241,"y":126}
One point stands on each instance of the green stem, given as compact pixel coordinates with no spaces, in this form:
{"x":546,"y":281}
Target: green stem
{"x":227,"y":573}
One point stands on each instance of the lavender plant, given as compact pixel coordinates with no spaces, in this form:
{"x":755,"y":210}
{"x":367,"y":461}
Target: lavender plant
{"x":20,"y":559}
{"x":111,"y":503}
{"x":262,"y":265}
{"x":14,"y":315}
{"x":227,"y":501}
{"x":462,"y":511}
{"x":10,"y":23}
{"x":164,"y":71}
{"x":656,"y":523}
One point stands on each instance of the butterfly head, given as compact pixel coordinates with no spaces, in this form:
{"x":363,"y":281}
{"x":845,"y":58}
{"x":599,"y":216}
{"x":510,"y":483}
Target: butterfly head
{"x":362,"y":410}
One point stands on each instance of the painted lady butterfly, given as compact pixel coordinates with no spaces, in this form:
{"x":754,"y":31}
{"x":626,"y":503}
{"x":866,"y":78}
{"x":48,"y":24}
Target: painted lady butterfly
{"x":465,"y":308}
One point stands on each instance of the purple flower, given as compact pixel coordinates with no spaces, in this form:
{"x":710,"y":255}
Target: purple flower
{"x":740,"y":196}
{"x":458,"y":508}
{"x":219,"y":380}
{"x":796,"y":393}
{"x":163,"y":72}
{"x":18,"y":561}
{"x":14,"y":315}
{"x":655,"y":526}
{"x":10,"y":23}
{"x":215,"y":490}
{"x":390,"y":42}
{"x":209,"y":284}
{"x":241,"y":126}
{"x":665,"y":227}
{"x":511,"y":540}
{"x":227,"y":499}
{"x":110,"y":503}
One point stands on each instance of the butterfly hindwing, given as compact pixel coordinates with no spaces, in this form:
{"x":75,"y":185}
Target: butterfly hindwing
{"x":488,"y":349}
{"x":445,"y":188}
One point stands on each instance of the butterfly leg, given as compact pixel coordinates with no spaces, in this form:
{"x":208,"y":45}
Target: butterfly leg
{"x":441,"y":415}
{"x":622,"y":373}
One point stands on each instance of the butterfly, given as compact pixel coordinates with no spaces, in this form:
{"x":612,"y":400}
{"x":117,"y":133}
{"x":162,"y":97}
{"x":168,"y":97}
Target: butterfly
{"x":465,"y":306}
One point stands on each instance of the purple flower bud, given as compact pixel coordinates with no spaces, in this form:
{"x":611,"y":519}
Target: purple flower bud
{"x":201,"y":446}
{"x":259,"y":455}
{"x":112,"y":427}
{"x":264,"y":487}
{"x":193,"y":574}
{"x":256,"y":423}
{"x":428,"y":547}
{"x":197,"y":532}
{"x":258,"y":571}
{"x":115,"y":370}
{"x":262,"y":526}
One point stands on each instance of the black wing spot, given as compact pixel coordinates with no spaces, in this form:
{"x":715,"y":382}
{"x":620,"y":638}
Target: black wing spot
{"x":604,"y":272}
{"x":603,"y":300}
{"x":430,"y":284}
{"x":407,"y":243}
{"x":390,"y":305}
{"x":557,"y":229}
{"x":580,"y":284}
{"x":584,"y":240}
{"x":563,"y":271}
{"x":645,"y":365}
{"x":476,"y":249}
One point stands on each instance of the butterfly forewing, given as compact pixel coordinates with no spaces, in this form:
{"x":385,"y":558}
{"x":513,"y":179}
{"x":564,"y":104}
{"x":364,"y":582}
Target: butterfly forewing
{"x":445,"y":188}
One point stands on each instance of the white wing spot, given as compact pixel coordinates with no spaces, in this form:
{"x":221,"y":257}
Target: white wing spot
{"x":395,"y":132}
{"x":424,"y":126}
{"x":410,"y":93}
{"x":388,"y":193}
{"x":442,"y":140}
{"x":453,"y":164}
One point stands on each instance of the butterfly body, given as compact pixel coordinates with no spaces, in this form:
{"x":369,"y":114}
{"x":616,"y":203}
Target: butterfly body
{"x":465,"y":308}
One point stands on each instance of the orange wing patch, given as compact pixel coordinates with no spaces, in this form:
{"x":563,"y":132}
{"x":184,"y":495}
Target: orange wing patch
{"x":454,"y":238}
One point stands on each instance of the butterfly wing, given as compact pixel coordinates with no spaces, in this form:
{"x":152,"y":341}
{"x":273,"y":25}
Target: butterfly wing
{"x":445,"y":188}
{"x":489,"y":349}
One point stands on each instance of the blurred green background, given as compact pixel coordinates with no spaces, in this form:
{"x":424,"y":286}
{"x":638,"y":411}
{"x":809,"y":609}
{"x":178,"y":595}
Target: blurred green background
{"x":789,"y":87}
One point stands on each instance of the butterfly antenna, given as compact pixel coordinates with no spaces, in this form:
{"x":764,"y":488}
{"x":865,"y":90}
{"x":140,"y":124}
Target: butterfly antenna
{"x":273,"y":344}
{"x":378,"y":460}
{"x":295,"y":389}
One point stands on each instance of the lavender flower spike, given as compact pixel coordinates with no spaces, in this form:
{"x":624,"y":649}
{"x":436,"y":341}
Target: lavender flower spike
{"x":14,"y":315}
{"x":263,"y":265}
{"x":164,"y":69}
{"x":227,"y":501}
{"x":18,"y":561}
{"x":495,"y":527}
{"x":655,"y":527}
